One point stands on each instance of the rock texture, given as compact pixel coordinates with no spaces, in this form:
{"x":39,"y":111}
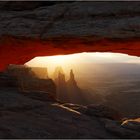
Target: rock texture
{"x":6,"y":80}
{"x":103,"y":19}
{"x":35,"y":114}
{"x":26,"y":81}
{"x":103,"y":111}
{"x":49,"y":28}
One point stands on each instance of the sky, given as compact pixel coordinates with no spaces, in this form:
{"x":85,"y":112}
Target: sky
{"x":84,"y":58}
{"x":76,"y":60}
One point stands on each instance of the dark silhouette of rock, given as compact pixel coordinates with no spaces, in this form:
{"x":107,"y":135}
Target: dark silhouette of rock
{"x":25,"y":5}
{"x":59,"y":78}
{"x":36,"y":114}
{"x":86,"y":25}
{"x":71,"y":80}
{"x":57,"y":70}
{"x":99,"y":111}
{"x":27,"y":81}
{"x":23,"y":70}
{"x":7,"y":80}
{"x":69,"y":91}
{"x":103,"y":111}
{"x":40,"y":95}
{"x":34,"y":84}
{"x":74,"y":92}
{"x":44,"y":19}
{"x":116,"y":128}
{"x":20,"y":71}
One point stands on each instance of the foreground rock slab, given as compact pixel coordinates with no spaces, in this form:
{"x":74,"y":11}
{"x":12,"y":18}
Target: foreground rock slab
{"x":30,"y":117}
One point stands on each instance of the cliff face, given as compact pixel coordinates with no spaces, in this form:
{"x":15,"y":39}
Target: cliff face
{"x":71,"y":80}
{"x":41,"y":73}
{"x":7,"y":81}
{"x":36,"y":115}
{"x":25,"y":80}
{"x":51,"y":19}
{"x":76,"y":95}
{"x":68,"y":91}
{"x":23,"y":5}
{"x":49,"y":28}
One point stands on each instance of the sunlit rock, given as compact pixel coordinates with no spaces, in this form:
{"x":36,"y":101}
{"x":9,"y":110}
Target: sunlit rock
{"x":116,"y":128}
{"x":80,"y":108}
{"x":133,"y":124}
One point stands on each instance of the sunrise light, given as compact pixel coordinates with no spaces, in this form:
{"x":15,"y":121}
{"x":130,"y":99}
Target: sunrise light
{"x":84,"y":57}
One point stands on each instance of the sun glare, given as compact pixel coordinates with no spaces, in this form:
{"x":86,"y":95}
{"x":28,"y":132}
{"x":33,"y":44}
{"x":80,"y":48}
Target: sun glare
{"x":104,"y":55}
{"x":77,"y":60}
{"x":58,"y":60}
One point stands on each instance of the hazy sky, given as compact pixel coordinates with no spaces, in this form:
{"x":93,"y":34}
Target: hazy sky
{"x":84,"y":58}
{"x":75,"y":61}
{"x":78,"y":62}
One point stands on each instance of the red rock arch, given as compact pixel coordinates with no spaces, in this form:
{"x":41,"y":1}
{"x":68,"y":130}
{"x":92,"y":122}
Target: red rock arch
{"x":15,"y":50}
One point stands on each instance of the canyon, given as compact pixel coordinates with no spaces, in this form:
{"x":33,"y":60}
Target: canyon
{"x":29,"y":107}
{"x":44,"y":29}
{"x":38,"y":114}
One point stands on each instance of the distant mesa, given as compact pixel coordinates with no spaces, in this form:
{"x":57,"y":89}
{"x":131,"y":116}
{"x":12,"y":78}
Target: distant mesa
{"x":26,"y":79}
{"x":68,"y":90}
{"x":40,"y":72}
{"x":72,"y":80}
{"x":36,"y":79}
{"x":58,"y":70}
{"x":59,"y":79}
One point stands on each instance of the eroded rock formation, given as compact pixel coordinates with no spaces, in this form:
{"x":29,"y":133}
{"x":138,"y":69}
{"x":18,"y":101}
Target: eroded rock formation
{"x":26,"y":81}
{"x":61,"y":89}
{"x":68,"y":91}
{"x":35,"y":114}
{"x":38,"y":29}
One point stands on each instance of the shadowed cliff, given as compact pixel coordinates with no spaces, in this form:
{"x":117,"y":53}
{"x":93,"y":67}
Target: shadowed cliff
{"x":34,"y":114}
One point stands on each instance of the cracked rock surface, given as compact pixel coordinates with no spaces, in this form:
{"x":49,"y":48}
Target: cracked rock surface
{"x":43,"y":20}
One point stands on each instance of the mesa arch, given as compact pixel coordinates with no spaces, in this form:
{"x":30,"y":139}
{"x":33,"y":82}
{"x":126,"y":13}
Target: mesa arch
{"x":42,"y":29}
{"x":20,"y":50}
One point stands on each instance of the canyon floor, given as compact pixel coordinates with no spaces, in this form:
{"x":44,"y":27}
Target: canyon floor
{"x":29,"y":109}
{"x":33,"y":116}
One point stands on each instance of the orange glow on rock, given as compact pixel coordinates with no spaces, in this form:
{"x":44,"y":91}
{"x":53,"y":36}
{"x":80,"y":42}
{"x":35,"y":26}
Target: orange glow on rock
{"x":20,"y":50}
